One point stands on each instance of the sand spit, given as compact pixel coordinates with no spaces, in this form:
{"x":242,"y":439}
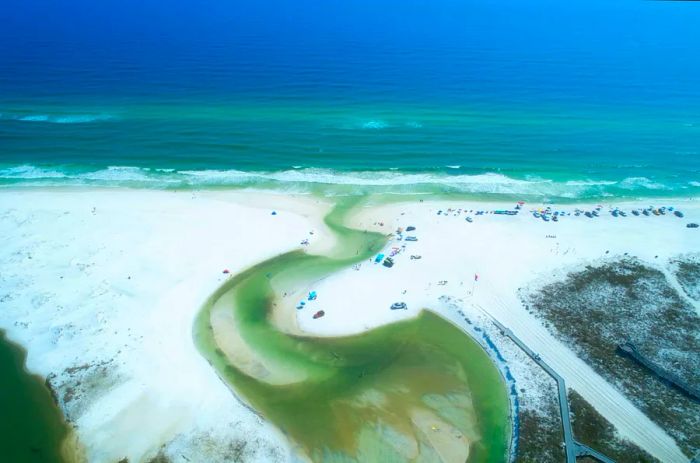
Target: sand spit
{"x":102,"y":286}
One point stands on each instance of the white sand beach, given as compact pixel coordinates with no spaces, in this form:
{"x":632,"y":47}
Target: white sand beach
{"x":115,"y":278}
{"x":507,"y":253}
{"x":101,"y":287}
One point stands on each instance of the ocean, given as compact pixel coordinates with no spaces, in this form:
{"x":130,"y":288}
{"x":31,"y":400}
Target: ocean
{"x":553,"y":101}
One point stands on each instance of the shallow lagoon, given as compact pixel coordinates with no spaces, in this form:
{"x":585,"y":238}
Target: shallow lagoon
{"x":417,"y":390}
{"x":32,"y":428}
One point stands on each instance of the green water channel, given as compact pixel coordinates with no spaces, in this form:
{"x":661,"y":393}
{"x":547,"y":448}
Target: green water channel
{"x":32,"y":428}
{"x":416,"y":390}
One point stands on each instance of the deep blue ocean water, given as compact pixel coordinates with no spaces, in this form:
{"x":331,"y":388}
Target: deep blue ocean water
{"x":547,"y":99}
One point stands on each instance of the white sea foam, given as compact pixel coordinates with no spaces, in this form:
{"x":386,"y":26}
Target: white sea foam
{"x":330,"y":181}
{"x":375,"y":124}
{"x":29,"y":172}
{"x":118,"y":173}
{"x":385,"y":178}
{"x":81,"y":118}
{"x":58,"y":118}
{"x":219,"y":176}
{"x":632,"y":183}
{"x":488,"y":183}
{"x":34,"y":118}
{"x":590,"y":182}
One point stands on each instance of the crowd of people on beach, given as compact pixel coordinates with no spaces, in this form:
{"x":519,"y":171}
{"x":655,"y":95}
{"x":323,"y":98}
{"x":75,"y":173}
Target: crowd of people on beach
{"x":403,"y":236}
{"x":549,"y":214}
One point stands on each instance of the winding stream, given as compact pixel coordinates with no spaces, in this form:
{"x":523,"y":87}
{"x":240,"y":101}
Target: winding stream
{"x":416,"y":390}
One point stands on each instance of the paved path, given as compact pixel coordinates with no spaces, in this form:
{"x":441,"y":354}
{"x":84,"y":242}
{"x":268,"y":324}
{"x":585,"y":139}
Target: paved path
{"x":618,"y":409}
{"x":573,"y":448}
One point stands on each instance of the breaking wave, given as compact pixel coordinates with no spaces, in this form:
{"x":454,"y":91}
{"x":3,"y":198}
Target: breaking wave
{"x":380,"y":124}
{"x":375,"y":124}
{"x":641,"y":182}
{"x":57,"y":118}
{"x":332,"y":182}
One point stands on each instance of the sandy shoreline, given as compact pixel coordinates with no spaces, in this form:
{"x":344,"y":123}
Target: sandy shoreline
{"x":116,"y":277}
{"x":507,"y":253}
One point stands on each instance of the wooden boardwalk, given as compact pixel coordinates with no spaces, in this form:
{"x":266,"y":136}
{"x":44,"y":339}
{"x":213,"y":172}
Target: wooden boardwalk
{"x":631,"y":351}
{"x":573,"y":449}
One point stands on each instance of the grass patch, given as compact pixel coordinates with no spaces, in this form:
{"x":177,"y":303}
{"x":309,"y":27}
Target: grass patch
{"x":687,"y":271}
{"x":541,"y":435}
{"x":594,"y":310}
{"x":592,"y":429}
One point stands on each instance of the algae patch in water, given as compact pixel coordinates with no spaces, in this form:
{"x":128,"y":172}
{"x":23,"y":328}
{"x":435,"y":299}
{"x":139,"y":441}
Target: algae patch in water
{"x":417,"y":390}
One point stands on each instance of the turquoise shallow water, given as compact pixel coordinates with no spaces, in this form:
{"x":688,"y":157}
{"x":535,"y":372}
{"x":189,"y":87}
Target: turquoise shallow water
{"x":482,"y":150}
{"x":546,"y":100}
{"x":537,"y":100}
